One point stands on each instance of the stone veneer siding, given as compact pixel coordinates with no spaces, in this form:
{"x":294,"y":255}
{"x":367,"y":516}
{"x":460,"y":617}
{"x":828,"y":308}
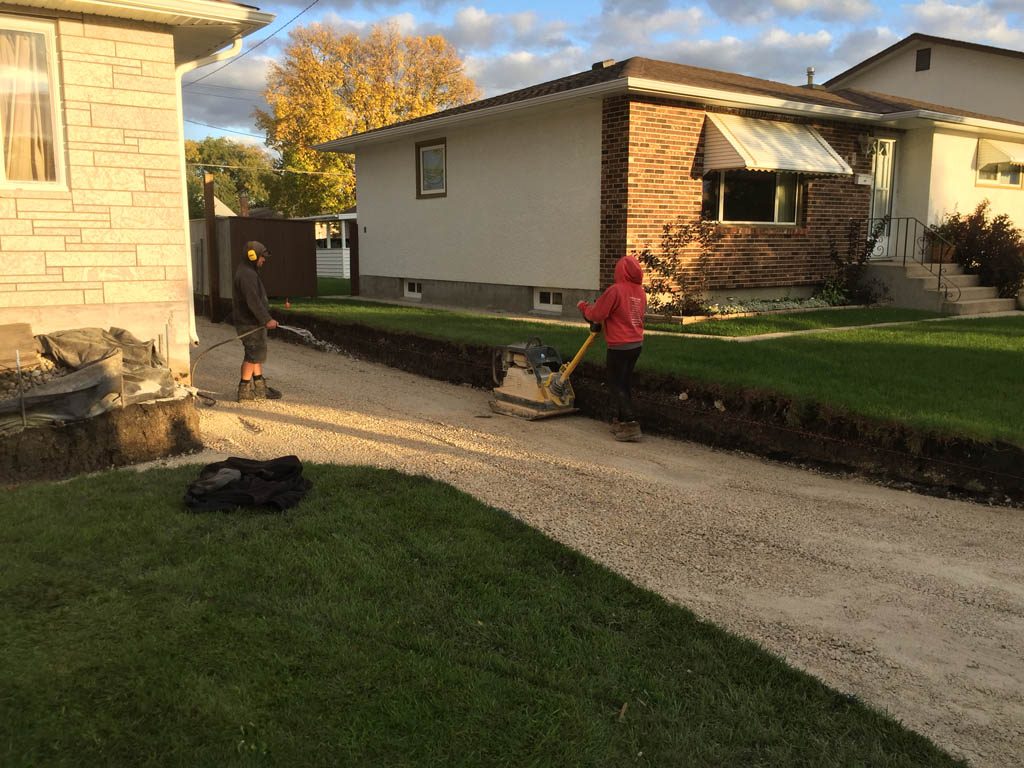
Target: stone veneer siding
{"x":110,"y":248}
{"x":651,"y":174}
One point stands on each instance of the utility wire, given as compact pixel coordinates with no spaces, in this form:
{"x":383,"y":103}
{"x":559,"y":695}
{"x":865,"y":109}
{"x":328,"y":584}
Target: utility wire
{"x":250,"y":50}
{"x":229,"y":130}
{"x":265,"y":170}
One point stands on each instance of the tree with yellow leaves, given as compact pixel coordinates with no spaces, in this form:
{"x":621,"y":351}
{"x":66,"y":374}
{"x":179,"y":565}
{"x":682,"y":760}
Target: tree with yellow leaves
{"x":331,"y":84}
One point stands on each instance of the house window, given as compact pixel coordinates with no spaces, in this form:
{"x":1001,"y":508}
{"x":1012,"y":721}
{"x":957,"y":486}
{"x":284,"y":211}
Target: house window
{"x":413,"y":289}
{"x":431,"y":169}
{"x":547,"y":300}
{"x":750,"y":196}
{"x":1000,"y":174}
{"x":924,"y":60}
{"x":29,"y":129}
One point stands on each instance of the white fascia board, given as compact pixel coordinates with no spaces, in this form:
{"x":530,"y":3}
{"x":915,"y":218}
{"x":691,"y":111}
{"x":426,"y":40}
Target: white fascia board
{"x":962,"y":122}
{"x":351,"y":143}
{"x":165,"y":11}
{"x":746,"y":100}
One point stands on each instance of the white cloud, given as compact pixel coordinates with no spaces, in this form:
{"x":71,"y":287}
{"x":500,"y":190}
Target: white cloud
{"x":228,"y":97}
{"x":509,"y":72}
{"x":625,"y":34}
{"x":976,"y":23}
{"x":756,"y":11}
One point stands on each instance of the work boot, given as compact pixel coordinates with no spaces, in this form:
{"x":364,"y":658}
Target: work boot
{"x":246,"y":391}
{"x":628,"y":432}
{"x":264,"y":391}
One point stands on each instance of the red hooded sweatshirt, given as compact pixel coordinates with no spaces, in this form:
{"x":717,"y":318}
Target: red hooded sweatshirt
{"x":622,"y":307}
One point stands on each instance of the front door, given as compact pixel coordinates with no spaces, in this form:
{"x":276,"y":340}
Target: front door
{"x":884,"y":166}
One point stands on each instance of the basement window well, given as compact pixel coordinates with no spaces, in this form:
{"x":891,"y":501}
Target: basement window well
{"x":547,"y":300}
{"x":413,"y":289}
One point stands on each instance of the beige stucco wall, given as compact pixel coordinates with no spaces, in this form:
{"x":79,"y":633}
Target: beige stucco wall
{"x":522,"y":207}
{"x":954,"y":185}
{"x":974,"y":81}
{"x":110,"y":247}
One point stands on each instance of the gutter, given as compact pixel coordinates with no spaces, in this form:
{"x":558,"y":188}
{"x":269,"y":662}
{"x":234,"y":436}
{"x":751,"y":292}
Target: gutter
{"x":179,"y":72}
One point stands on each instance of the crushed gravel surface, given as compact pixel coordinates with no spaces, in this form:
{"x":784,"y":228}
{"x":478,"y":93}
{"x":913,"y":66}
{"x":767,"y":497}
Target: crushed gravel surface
{"x":914,"y":604}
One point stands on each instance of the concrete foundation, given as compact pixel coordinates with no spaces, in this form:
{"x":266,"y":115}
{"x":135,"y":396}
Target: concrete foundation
{"x":517,"y":299}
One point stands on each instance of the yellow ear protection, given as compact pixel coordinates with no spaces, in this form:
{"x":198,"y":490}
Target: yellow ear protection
{"x":252,"y":255}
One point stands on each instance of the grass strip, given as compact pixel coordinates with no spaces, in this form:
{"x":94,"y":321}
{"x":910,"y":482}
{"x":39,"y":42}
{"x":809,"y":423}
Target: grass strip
{"x":387,"y":620}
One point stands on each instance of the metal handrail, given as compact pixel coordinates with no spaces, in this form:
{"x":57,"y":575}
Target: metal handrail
{"x":907,"y":237}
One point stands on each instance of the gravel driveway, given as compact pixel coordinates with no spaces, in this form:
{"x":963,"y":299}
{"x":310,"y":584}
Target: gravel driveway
{"x":912,"y":603}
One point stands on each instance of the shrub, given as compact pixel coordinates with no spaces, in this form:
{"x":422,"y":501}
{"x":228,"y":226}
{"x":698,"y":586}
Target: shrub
{"x":674,"y":287}
{"x":846,"y":284}
{"x":987,"y":246}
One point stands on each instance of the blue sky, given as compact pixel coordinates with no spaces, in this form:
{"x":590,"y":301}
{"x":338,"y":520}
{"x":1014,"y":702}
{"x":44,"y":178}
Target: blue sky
{"x":514,"y":43}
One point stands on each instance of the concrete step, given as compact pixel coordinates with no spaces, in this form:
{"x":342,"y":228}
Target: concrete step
{"x":915,"y":268}
{"x":978,"y":293}
{"x":932,"y":281}
{"x":979,"y":306}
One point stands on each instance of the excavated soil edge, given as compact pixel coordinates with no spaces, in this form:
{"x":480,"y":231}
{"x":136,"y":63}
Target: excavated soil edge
{"x":117,"y":438}
{"x":763,"y":423}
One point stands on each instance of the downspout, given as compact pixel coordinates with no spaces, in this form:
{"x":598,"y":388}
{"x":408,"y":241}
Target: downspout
{"x":180,"y":71}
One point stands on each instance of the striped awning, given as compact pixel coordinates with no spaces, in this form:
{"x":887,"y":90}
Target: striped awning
{"x":732,"y":142}
{"x":991,"y":152}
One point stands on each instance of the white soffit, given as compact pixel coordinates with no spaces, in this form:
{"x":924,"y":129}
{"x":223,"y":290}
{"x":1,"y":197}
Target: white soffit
{"x":200,"y":27}
{"x":733,"y":142}
{"x":991,"y":151}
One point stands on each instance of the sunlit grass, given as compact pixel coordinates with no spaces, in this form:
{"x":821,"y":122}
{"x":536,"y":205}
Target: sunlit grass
{"x":387,"y":620}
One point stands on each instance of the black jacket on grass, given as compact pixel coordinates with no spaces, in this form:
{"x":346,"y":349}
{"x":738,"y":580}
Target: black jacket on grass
{"x":236,"y":482}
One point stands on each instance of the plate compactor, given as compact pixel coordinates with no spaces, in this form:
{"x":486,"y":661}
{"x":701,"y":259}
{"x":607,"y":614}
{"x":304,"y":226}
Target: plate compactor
{"x":534,"y":384}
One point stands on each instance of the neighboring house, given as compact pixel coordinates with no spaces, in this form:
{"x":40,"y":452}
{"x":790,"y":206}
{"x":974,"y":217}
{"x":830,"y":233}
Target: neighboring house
{"x":334,"y":237}
{"x":93,"y":214}
{"x":942,"y":167}
{"x":968,"y":76}
{"x":525,"y":201}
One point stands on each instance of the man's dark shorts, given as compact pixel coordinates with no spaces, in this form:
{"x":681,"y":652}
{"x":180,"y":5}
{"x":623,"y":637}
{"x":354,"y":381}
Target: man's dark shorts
{"x":255,"y":345}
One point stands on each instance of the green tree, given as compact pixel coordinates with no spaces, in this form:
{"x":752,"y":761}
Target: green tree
{"x":330,"y":84}
{"x":236,"y":168}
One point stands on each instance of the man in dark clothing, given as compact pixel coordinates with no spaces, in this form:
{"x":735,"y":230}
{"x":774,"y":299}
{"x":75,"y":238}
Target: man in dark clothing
{"x":251,"y":313}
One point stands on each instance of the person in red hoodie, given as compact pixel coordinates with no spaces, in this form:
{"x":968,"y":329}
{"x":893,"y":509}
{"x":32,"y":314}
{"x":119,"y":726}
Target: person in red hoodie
{"x":621,"y":308}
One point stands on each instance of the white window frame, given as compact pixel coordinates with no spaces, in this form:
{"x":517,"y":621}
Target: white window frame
{"x":775,"y":221}
{"x":550,"y":305}
{"x":412,"y":289}
{"x":996,"y":182}
{"x":49,"y":31}
{"x":428,"y":146}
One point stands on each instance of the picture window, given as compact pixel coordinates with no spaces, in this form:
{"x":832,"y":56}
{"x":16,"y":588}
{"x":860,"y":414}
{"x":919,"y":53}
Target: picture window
{"x":751,"y":197}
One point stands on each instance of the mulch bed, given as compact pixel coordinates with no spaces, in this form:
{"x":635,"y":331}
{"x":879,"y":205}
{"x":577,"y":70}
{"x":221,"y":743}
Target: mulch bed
{"x":763,"y":423}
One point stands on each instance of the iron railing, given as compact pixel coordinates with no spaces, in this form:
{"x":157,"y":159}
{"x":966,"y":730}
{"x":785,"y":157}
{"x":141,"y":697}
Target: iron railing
{"x":910,"y":240}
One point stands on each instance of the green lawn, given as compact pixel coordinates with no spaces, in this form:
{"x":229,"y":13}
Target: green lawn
{"x":795,"y":321}
{"x":957,"y":376}
{"x":333,"y":286}
{"x":388,"y":620}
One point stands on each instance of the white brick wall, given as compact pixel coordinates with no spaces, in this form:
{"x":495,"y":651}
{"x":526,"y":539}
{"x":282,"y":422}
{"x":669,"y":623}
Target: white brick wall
{"x":110,"y":248}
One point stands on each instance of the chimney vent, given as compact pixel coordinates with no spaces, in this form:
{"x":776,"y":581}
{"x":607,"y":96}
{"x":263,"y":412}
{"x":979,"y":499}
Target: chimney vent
{"x":810,"y":77}
{"x":603,"y":64}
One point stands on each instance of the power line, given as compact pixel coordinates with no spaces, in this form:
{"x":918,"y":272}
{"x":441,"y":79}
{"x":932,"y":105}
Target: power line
{"x":228,"y":130}
{"x":246,"y":99}
{"x":245,"y":53}
{"x":265,"y":170}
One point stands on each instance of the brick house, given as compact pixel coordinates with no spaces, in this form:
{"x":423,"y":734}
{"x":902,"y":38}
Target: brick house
{"x":524,"y":201}
{"x":93,"y":219}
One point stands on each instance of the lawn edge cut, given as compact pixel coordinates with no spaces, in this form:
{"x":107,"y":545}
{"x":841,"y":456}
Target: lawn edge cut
{"x":765,"y":423}
{"x":120,"y":437}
